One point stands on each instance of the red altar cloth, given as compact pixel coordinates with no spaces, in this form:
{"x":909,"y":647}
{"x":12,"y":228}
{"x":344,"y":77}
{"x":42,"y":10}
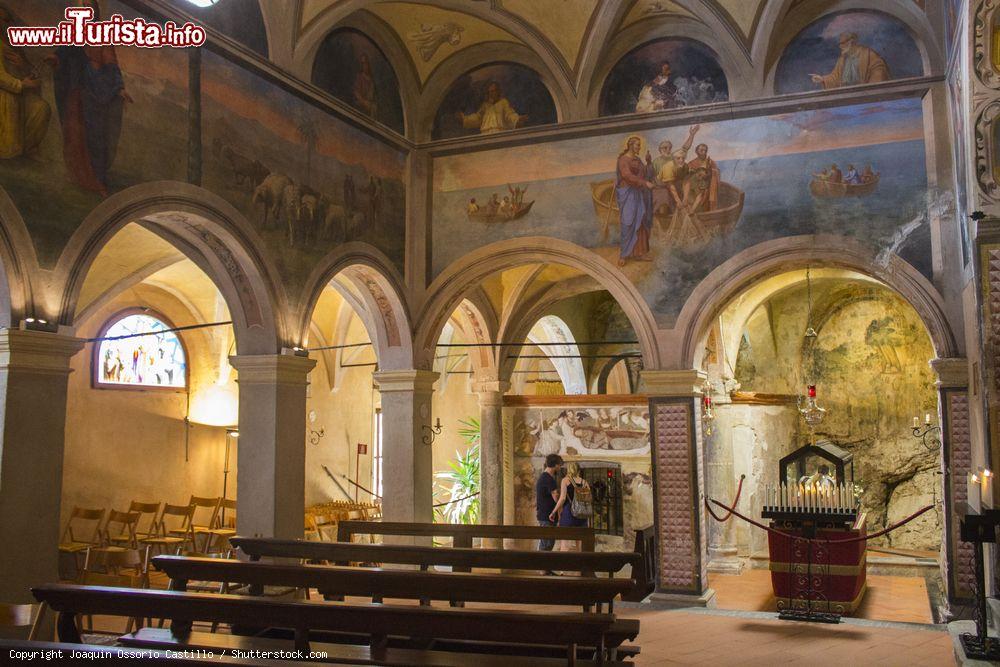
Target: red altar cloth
{"x":833,"y":582}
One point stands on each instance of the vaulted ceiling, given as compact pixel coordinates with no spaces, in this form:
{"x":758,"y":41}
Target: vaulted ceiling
{"x":571,"y":44}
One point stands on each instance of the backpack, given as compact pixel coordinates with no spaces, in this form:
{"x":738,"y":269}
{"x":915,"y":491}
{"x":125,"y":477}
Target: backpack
{"x":582,"y":506}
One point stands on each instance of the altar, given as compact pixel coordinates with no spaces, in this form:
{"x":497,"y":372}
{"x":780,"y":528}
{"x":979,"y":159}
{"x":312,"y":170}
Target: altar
{"x":814,"y":502}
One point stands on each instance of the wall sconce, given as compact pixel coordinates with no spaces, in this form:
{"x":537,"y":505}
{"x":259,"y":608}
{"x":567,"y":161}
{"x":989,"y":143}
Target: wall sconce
{"x":314,"y":435}
{"x":930,"y":434}
{"x":707,"y":414}
{"x":432,"y":432}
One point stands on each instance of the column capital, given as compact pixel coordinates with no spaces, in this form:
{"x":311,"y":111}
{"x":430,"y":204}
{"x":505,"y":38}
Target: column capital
{"x":37,"y":351}
{"x":951,"y":372}
{"x":487,"y":387}
{"x":405,"y":380}
{"x":286,"y":369}
{"x":683,"y":382}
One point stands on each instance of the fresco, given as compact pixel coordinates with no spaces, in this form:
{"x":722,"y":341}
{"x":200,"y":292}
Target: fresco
{"x":711,"y":191}
{"x":581,"y":432}
{"x":601,"y":433}
{"x":664,"y":74}
{"x":848,"y":49}
{"x":350,"y":67}
{"x":494,"y":98}
{"x":59,"y":159}
{"x":306,"y":181}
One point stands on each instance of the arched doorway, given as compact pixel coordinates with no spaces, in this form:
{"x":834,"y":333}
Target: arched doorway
{"x":354,"y":326}
{"x":867,"y":352}
{"x":556,"y":327}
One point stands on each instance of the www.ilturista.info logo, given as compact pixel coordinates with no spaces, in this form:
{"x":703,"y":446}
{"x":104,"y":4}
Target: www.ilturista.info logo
{"x":79,"y":29}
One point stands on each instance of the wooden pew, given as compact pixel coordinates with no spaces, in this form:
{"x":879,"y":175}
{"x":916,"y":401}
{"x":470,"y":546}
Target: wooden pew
{"x":462,"y":535}
{"x":376,"y":622}
{"x":426,"y":557}
{"x":380,"y":583}
{"x":645,"y":575}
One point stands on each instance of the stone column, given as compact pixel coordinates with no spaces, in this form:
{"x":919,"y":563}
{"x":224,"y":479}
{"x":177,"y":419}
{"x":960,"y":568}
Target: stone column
{"x":957,"y":462}
{"x":34,"y":373}
{"x":271,"y":456}
{"x":679,"y":486}
{"x":721,"y":484}
{"x":407,"y":472}
{"x":491,"y":450}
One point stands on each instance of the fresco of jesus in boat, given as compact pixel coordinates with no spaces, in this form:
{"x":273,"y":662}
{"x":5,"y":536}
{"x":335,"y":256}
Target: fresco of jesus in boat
{"x":661,"y":205}
{"x":681,"y":195}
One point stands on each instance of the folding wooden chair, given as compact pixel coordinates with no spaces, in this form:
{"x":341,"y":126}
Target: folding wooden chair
{"x":115,"y":566}
{"x":218,"y":538}
{"x":152,"y":510}
{"x":173,"y":539}
{"x":120,"y":531}
{"x":21,"y":621}
{"x":201,"y":522}
{"x":78,"y":536}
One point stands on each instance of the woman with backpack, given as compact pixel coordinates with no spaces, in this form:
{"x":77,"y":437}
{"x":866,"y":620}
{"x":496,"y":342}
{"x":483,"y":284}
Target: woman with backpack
{"x":575,"y":505}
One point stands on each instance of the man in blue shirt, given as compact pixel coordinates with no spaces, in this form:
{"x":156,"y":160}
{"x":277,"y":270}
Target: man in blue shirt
{"x":546,"y":495}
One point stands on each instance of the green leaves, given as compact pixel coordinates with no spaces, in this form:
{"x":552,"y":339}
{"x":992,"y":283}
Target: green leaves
{"x":461,"y":483}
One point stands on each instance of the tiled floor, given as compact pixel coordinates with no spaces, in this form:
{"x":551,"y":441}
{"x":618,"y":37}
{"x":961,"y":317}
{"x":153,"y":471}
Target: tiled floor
{"x":754,"y":638}
{"x":746,"y":639}
{"x":902,"y":599}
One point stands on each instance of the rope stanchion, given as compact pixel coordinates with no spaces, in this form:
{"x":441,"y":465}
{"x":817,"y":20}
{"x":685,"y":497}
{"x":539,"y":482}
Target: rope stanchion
{"x":774,"y":531}
{"x":729,"y":510}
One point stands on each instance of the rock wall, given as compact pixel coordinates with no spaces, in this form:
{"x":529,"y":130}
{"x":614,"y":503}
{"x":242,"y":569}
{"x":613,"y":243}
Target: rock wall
{"x":869,"y":361}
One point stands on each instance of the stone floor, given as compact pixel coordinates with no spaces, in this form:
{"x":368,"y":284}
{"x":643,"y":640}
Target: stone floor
{"x":748,"y":637}
{"x":888,"y":598}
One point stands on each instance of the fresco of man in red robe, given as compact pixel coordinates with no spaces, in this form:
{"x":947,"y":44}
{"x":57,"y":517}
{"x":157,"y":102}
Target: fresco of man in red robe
{"x":90,"y":95}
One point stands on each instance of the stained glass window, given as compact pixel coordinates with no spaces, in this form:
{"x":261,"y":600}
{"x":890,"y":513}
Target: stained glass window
{"x":153,"y":360}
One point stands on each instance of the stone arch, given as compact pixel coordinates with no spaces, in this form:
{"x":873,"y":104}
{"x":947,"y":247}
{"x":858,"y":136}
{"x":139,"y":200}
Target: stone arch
{"x":601,"y":383}
{"x":450,"y":287}
{"x":797,"y":252}
{"x":476,"y":313}
{"x":371,"y":274}
{"x":209,"y":231}
{"x":555,"y":338}
{"x":771,"y":44}
{"x":18,"y":265}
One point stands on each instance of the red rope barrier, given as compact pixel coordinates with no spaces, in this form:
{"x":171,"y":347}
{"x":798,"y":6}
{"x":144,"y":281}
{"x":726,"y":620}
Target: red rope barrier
{"x":739,"y":490}
{"x":891,"y":528}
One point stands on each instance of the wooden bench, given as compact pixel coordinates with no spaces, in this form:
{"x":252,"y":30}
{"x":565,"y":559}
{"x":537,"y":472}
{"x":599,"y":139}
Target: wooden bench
{"x":380,"y":583}
{"x":377,"y":623}
{"x":642,"y":561}
{"x":457,"y":558}
{"x":462,"y":535}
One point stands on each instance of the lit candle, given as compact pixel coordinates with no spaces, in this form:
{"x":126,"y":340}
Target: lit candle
{"x":916,"y":423}
{"x":927,"y":419}
{"x":974,"y":493}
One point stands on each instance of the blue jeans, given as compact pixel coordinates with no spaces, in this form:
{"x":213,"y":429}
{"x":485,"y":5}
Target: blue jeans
{"x":546,"y":545}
